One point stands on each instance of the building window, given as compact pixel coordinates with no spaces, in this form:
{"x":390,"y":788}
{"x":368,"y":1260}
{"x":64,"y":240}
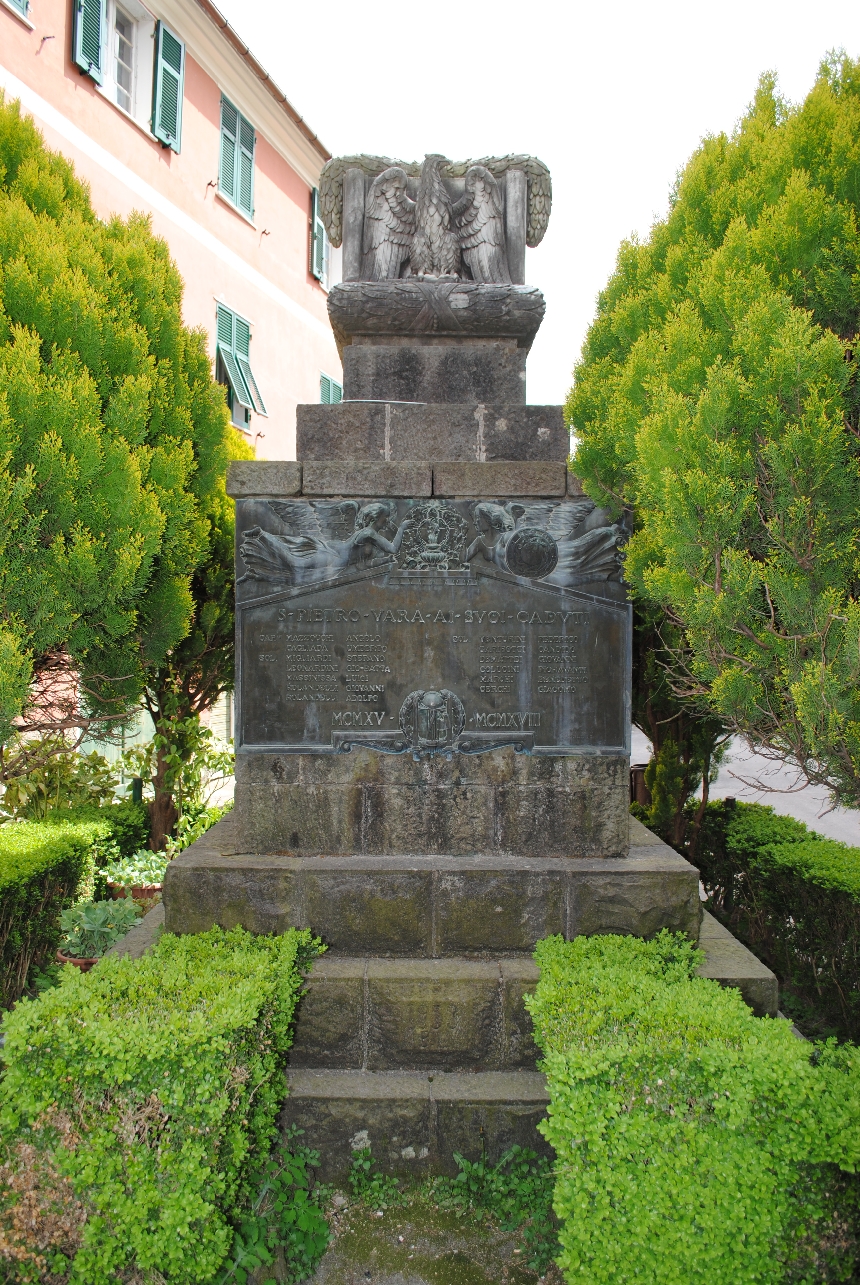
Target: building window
{"x":233,"y":367}
{"x":320,"y":246}
{"x":123,"y":29}
{"x":236,"y":170}
{"x":330,"y":390}
{"x":23,"y":6}
{"x":89,"y":37}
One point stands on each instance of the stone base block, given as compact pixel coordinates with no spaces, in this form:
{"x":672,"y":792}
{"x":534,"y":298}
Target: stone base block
{"x":388,"y":430}
{"x":470,"y":372}
{"x":416,"y":1014}
{"x":414,"y":1122}
{"x":366,"y":802}
{"x":430,"y":907}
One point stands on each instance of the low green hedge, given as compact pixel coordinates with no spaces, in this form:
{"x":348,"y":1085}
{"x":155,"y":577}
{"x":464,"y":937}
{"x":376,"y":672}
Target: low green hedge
{"x":42,"y":868}
{"x":138,"y":1099}
{"x":125,"y":824}
{"x":694,"y":1141}
{"x":794,"y":897}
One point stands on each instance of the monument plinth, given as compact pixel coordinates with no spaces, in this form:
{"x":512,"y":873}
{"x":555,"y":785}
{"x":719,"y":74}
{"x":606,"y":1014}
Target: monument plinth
{"x":433,"y":684}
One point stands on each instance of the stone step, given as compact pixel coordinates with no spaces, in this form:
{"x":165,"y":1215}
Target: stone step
{"x":729,"y":962}
{"x":373,"y":1014}
{"x":430,"y":907}
{"x":416,"y":1015}
{"x":414,"y":1122}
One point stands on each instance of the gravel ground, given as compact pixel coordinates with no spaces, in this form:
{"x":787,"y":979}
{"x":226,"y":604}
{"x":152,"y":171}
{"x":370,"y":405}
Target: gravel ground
{"x":422,"y":1245}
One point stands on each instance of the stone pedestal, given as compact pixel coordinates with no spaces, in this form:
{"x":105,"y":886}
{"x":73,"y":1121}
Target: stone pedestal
{"x":432,"y":727}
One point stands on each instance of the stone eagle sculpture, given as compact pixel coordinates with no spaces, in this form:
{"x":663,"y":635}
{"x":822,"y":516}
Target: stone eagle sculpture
{"x":435,"y":234}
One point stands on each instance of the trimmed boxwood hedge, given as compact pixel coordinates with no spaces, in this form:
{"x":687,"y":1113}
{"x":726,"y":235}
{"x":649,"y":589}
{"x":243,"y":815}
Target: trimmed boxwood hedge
{"x":794,"y":898}
{"x":694,"y":1141}
{"x":42,"y":867}
{"x":137,"y":1104}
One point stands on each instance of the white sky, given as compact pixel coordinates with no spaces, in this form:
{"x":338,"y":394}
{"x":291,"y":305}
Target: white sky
{"x":612,"y":96}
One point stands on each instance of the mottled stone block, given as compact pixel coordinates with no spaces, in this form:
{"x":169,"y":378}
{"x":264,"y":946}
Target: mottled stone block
{"x":480,"y":371}
{"x":728,"y":962}
{"x":440,"y":1014}
{"x":402,"y":431}
{"x":499,"y":477}
{"x":385,"y":910}
{"x":263,"y":477}
{"x":330,"y":1019}
{"x":374,"y":479}
{"x":570,"y":805}
{"x":519,"y":978}
{"x":481,"y":907}
{"x":414,"y":1122}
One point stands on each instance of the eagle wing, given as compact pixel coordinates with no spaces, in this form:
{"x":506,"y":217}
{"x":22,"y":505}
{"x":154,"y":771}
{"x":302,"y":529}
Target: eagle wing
{"x":389,"y":223}
{"x":480,"y":219}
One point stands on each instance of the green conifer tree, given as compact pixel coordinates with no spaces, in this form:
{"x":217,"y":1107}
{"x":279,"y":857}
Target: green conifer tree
{"x":717,"y":397}
{"x":114,"y":439}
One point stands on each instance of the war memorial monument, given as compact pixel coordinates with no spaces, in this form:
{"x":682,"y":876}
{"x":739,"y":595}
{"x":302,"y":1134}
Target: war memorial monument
{"x":432,"y":688}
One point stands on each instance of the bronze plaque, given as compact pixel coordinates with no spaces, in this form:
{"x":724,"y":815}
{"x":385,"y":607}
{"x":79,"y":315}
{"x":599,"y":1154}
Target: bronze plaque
{"x":430,"y":627}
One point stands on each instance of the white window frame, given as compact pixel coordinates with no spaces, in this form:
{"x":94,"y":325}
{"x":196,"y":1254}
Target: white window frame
{"x":143,"y":57}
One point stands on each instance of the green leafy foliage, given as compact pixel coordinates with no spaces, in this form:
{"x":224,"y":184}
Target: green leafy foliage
{"x":795,"y":898}
{"x":717,"y":398}
{"x":60,"y":779}
{"x":92,"y":927}
{"x":140,"y":1101}
{"x":113,"y":436}
{"x":517,"y":1190}
{"x":142,"y":869}
{"x":284,"y":1218}
{"x":693,"y":1141}
{"x":43,"y":868}
{"x":367,"y":1183}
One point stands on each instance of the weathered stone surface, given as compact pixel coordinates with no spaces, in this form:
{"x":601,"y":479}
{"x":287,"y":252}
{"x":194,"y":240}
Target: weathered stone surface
{"x":442,"y":309}
{"x":263,"y":477}
{"x":729,"y":962}
{"x":480,"y":371}
{"x":330,"y":1026}
{"x":571,"y":805}
{"x":404,"y":431}
{"x":365,"y":477}
{"x":414,"y":1122}
{"x":499,"y":477}
{"x":431,"y":906}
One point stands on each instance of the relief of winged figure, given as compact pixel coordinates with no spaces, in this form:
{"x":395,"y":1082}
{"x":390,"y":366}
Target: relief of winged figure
{"x":324,"y":538}
{"x":587,"y":543}
{"x":432,"y":234}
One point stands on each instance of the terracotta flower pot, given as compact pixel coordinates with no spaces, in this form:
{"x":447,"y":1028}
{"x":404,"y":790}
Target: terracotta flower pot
{"x":83,"y":964}
{"x":144,"y":895}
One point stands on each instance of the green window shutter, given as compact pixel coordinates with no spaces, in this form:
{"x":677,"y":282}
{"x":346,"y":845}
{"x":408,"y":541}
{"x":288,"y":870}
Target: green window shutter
{"x":245,"y":190}
{"x":89,"y":37}
{"x":243,"y":361}
{"x":325,"y":390}
{"x":167,"y":87}
{"x":234,"y":351}
{"x":336,"y":391}
{"x":318,"y":255}
{"x":229,"y":149}
{"x":23,"y":6}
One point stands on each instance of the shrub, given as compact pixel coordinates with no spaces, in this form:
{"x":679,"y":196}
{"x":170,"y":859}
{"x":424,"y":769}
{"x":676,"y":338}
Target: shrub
{"x":124,"y":825}
{"x":141,"y":870}
{"x":94,"y":926}
{"x":795,"y":898}
{"x":42,"y":868}
{"x":694,"y":1141}
{"x":138,"y":1105}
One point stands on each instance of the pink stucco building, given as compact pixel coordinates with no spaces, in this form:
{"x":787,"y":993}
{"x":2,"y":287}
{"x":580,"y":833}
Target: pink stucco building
{"x":163,"y":109}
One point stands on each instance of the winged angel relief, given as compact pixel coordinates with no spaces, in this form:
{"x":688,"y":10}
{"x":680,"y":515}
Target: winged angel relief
{"x":438,"y":233}
{"x":562,"y":543}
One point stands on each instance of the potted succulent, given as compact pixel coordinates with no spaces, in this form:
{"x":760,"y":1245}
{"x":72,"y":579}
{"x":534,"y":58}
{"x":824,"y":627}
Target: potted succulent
{"x":139,"y":876}
{"x":91,"y":928}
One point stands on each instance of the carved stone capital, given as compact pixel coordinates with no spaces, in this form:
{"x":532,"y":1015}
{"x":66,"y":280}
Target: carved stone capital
{"x":441,"y":308}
